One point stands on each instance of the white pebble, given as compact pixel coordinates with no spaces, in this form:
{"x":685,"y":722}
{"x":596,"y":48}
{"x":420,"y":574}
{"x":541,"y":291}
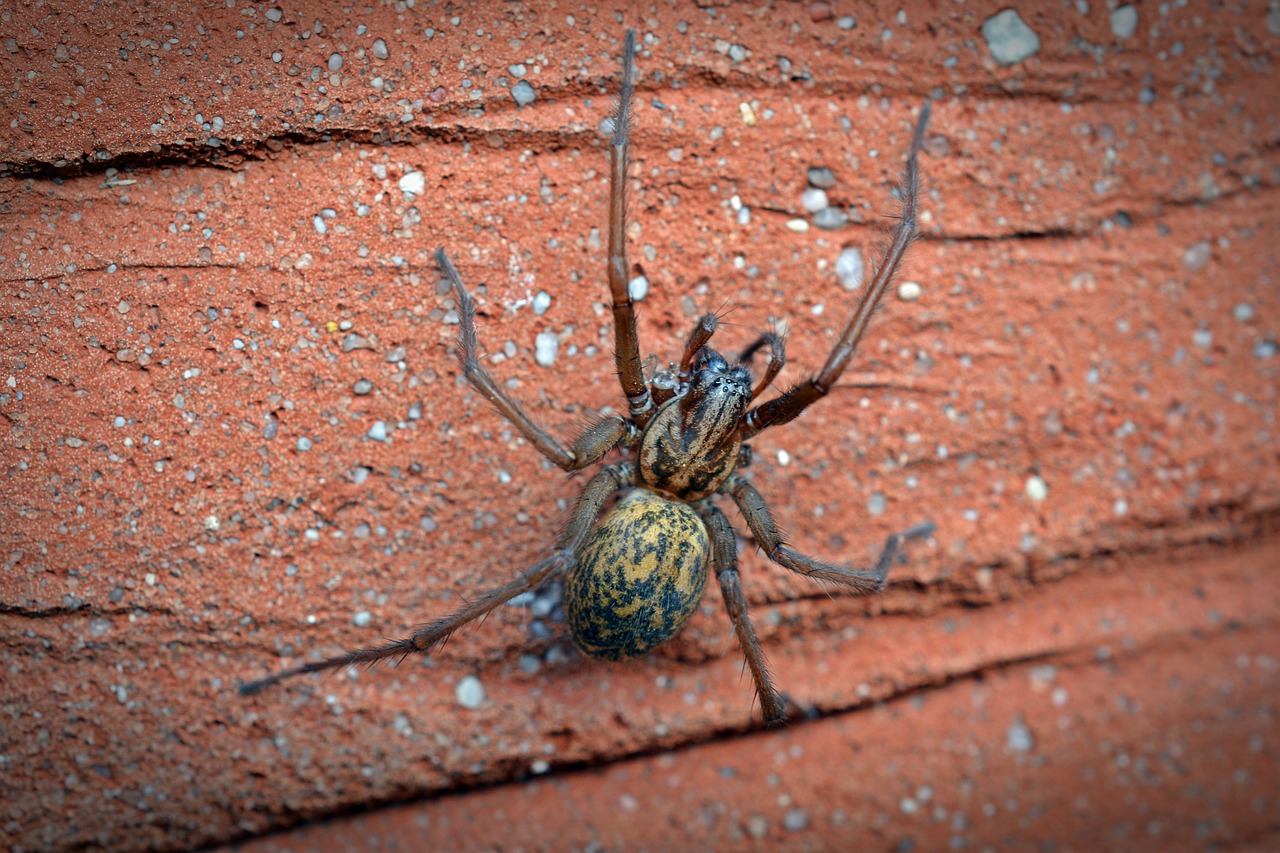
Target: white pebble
{"x":362,"y":618}
{"x":545,"y":347}
{"x":541,"y":302}
{"x":813,"y":199}
{"x":1019,"y":738}
{"x":850,"y":269}
{"x":1197,"y":256}
{"x":1009,"y":38}
{"x":799,"y":226}
{"x":1037,"y":488}
{"x":909,"y":291}
{"x":638,"y":287}
{"x":1124,"y":21}
{"x":413,"y":182}
{"x":523,"y":94}
{"x":470,"y":692}
{"x":377,"y":432}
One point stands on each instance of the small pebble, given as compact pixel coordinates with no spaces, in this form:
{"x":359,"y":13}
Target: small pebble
{"x":1243,"y":312}
{"x":123,"y":307}
{"x":638,"y":287}
{"x":377,"y":432}
{"x":799,"y":226}
{"x":545,"y":347}
{"x":1124,"y":21}
{"x":846,"y":22}
{"x":910,"y":291}
{"x":380,"y":49}
{"x":1263,"y":350}
{"x":813,"y":199}
{"x":541,"y":302}
{"x":353,"y":342}
{"x":1196,"y":258}
{"x":517,"y":71}
{"x":850,"y":268}
{"x":362,"y":618}
{"x":830,"y":219}
{"x":362,"y":387}
{"x":304,"y":444}
{"x":1009,"y":38}
{"x":1019,"y":737}
{"x":821,"y":177}
{"x":469,"y":692}
{"x":1037,"y":488}
{"x":796,"y":820}
{"x":274,"y":15}
{"x":523,"y":94}
{"x":413,"y":182}
{"x":335,"y":62}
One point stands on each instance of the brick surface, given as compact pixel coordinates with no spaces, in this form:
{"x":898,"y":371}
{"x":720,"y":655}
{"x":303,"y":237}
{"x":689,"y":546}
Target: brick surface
{"x":205,"y":249}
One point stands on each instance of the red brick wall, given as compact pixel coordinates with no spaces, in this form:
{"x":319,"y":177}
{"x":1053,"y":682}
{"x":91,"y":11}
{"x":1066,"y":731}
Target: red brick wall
{"x":191,"y":498}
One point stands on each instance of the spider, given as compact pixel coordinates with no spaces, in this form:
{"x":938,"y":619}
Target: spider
{"x":637,"y":576}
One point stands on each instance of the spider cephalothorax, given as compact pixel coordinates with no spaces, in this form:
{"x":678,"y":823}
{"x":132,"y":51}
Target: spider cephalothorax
{"x":635,"y":576}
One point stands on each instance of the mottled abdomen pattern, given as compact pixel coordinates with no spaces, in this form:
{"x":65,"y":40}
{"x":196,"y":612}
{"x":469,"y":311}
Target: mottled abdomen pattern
{"x":639,"y":578}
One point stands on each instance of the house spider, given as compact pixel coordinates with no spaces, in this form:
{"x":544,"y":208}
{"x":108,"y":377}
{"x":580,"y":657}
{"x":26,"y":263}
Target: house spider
{"x":635,"y":578}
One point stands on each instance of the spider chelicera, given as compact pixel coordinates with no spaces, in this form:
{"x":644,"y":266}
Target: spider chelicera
{"x":636,"y":577}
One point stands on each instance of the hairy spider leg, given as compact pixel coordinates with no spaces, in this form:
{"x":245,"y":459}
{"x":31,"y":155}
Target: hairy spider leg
{"x":589,"y":447}
{"x":767,"y":535}
{"x":626,"y":339}
{"x":787,"y":407}
{"x":598,"y":490}
{"x":724,"y":549}
{"x":777,"y":345}
{"x":698,"y":338}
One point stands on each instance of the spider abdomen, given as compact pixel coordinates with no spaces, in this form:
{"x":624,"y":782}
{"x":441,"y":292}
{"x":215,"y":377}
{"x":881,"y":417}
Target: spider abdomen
{"x":639,"y":577}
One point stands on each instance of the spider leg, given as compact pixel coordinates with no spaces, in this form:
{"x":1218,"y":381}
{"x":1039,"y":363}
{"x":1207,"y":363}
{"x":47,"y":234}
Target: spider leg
{"x":725,"y":553}
{"x":698,"y":338}
{"x":769,"y":537}
{"x":777,"y":359}
{"x":588,"y":448}
{"x":626,"y":339}
{"x":593,"y":497}
{"x":782,"y":409}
